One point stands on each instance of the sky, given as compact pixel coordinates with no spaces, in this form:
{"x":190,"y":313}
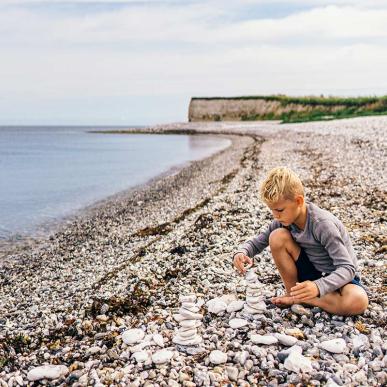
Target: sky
{"x":123,"y":62}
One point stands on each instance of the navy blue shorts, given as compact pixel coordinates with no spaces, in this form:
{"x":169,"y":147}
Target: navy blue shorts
{"x":306,"y":271}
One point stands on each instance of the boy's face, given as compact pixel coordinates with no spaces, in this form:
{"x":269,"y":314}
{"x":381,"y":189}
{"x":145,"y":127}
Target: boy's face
{"x":286,"y":211}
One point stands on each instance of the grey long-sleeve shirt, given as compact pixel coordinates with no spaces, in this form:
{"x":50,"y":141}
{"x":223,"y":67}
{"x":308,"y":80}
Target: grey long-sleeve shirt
{"x":325,"y":241}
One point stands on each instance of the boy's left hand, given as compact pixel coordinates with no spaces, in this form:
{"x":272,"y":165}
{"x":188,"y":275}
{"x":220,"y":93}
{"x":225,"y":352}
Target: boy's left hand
{"x":304,"y":290}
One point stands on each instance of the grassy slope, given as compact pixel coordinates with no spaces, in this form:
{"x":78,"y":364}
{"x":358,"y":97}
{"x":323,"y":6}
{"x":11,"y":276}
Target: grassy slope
{"x":321,"y":107}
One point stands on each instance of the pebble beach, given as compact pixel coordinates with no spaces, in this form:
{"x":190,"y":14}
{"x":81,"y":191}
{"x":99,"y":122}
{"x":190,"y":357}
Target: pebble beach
{"x":99,"y":302}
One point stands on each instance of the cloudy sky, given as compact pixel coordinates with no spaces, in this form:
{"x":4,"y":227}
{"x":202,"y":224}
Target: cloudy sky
{"x":122,"y":62}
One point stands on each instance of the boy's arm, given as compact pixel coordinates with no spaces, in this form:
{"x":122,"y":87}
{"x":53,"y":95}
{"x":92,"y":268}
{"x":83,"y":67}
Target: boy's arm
{"x":329,"y":236}
{"x":256,"y":244}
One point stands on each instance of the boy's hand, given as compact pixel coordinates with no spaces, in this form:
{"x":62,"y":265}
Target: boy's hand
{"x":304,"y":290}
{"x":239,"y":260}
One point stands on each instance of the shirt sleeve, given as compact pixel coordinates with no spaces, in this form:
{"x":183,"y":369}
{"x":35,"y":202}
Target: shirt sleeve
{"x":256,"y":244}
{"x":331,"y":239}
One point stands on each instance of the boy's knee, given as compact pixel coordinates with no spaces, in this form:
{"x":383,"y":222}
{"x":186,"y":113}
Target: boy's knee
{"x":357,"y":303}
{"x":279,"y":237}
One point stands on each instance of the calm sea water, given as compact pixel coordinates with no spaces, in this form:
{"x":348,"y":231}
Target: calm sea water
{"x":47,"y":173}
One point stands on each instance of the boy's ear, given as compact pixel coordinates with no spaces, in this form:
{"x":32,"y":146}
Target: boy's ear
{"x":300,"y":200}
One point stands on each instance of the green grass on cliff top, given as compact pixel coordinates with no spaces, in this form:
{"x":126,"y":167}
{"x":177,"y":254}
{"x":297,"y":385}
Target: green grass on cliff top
{"x":347,"y":107}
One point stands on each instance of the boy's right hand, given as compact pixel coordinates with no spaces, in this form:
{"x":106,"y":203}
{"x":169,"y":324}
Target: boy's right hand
{"x":239,"y":260}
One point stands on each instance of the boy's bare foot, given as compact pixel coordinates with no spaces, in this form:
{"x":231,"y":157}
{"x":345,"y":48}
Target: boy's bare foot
{"x":283,"y":300}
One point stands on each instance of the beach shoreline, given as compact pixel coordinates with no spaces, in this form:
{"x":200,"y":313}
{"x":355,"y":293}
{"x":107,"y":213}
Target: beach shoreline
{"x":126,"y":264}
{"x":17,"y":243}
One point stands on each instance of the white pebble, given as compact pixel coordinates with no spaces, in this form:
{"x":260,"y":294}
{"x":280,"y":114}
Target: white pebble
{"x":296,"y":362}
{"x":236,"y":323}
{"x":218,"y":357}
{"x":334,"y":346}
{"x":263,"y":339}
{"x":162,"y":356}
{"x":132,"y":336}
{"x":49,"y":371}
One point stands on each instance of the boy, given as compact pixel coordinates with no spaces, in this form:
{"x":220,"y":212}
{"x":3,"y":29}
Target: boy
{"x":310,"y":247}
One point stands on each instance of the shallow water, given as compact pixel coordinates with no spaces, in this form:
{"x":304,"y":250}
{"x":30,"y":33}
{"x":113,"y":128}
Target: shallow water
{"x":47,"y":173}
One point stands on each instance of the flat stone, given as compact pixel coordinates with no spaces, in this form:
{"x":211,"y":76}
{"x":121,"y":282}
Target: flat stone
{"x":188,"y":333}
{"x":158,"y":339}
{"x":190,"y":350}
{"x":360,"y":341}
{"x":193,"y":315}
{"x":236,"y":323}
{"x":295,"y":332}
{"x":162,"y":356}
{"x":228,"y":298}
{"x":263,"y":339}
{"x":187,"y":298}
{"x":334,"y":346}
{"x":232,"y":373}
{"x":255,"y":285}
{"x":300,"y":310}
{"x":218,"y":357}
{"x":251,"y":276}
{"x":296,"y":362}
{"x":216,"y":306}
{"x":188,"y":305}
{"x":258,"y":308}
{"x":192,"y":309}
{"x":132,"y":336}
{"x":141,"y":356}
{"x":48,"y":371}
{"x":286,"y":339}
{"x":282,"y":355}
{"x":235,"y":306}
{"x":182,"y":341}
{"x":254,"y":300}
{"x":253,"y":292}
{"x":190,"y":323}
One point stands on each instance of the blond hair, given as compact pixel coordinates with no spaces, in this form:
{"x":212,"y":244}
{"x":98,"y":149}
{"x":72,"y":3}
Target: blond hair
{"x":281,"y":183}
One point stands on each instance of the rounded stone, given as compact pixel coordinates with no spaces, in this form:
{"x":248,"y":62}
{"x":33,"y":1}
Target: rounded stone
{"x":218,"y":357}
{"x":162,"y":356}
{"x":235,"y":306}
{"x":48,"y":371}
{"x":263,"y":339}
{"x":334,"y":346}
{"x":236,"y":323}
{"x":133,"y":336}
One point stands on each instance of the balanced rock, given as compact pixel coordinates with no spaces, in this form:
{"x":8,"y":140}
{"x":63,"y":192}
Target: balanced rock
{"x":188,"y":318}
{"x":254,"y":300}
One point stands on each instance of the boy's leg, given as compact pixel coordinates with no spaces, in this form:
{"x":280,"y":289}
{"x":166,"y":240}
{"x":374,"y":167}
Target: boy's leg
{"x":285,"y":252}
{"x":350,"y":301}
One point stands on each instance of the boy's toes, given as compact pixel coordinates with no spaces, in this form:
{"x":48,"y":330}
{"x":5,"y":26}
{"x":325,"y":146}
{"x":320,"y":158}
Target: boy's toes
{"x":282,"y":301}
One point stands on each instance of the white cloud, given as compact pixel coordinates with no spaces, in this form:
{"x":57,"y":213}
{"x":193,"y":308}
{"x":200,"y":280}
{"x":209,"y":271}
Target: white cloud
{"x":195,"y":49}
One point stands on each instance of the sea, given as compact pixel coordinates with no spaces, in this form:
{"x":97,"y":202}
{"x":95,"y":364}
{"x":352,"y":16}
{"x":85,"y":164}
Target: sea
{"x":47,"y":173}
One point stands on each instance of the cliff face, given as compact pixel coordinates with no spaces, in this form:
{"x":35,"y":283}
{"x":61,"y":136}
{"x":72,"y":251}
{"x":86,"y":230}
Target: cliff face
{"x":230,"y":109}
